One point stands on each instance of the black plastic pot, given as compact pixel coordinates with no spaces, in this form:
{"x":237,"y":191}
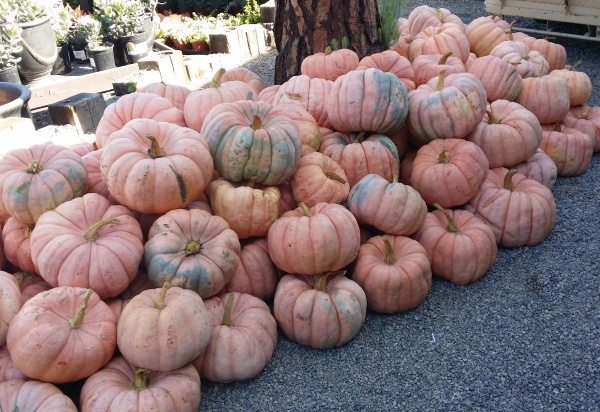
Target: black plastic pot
{"x":10,"y":75}
{"x":102,"y":57}
{"x":134,"y":47}
{"x":63,"y":62}
{"x":80,"y":53}
{"x":13,"y":100}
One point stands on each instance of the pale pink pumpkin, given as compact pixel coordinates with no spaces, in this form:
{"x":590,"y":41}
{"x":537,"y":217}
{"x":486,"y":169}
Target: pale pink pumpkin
{"x":508,"y":134}
{"x":75,"y":328}
{"x":428,"y":66}
{"x":579,"y":85}
{"x":30,"y":285}
{"x":460,"y":246}
{"x":392,"y":62}
{"x":570,"y":149}
{"x":500,"y":79}
{"x":83,"y":148}
{"x":319,"y":178}
{"x":484,"y":34}
{"x":174,"y":93}
{"x":268,"y":94}
{"x":308,"y":130}
{"x":394,"y":272}
{"x":8,"y":369}
{"x":400,"y":140}
{"x":244,"y":75}
{"x":16,"y":244}
{"x":9,"y":304}
{"x":96,"y":183}
{"x":319,"y":311}
{"x":256,"y":273}
{"x":87,"y":242}
{"x":425,"y":16}
{"x":244,"y":337}
{"x":519,"y":210}
{"x":309,"y":93}
{"x":22,"y":395}
{"x":554,"y":53}
{"x":330,"y":64}
{"x":449,"y":171}
{"x":446,"y":107}
{"x":539,"y":167}
{"x":536,"y":94}
{"x":124,"y":387}
{"x":447,"y":38}
{"x":406,"y":165}
{"x":587,"y":117}
{"x":331,"y":230}
{"x":136,"y":106}
{"x":527,"y":63}
{"x":287,"y":201}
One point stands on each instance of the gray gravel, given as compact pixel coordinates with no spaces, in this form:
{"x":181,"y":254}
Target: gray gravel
{"x":524,"y":338}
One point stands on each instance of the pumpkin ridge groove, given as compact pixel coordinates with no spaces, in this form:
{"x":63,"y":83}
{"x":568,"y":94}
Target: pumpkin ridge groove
{"x":182,"y":188}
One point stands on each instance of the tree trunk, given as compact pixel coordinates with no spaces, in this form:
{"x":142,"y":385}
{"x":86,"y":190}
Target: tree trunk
{"x":305,"y":27}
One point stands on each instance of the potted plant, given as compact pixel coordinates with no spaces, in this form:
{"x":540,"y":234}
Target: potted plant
{"x":10,"y":49}
{"x":37,"y":38}
{"x":87,"y":35}
{"x":62,"y":21}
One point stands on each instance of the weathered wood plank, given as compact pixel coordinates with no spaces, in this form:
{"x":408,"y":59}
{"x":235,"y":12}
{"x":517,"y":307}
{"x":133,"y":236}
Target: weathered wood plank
{"x":84,"y":111}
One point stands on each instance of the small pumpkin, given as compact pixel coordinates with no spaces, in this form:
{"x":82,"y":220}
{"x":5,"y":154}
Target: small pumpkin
{"x":16,"y":244}
{"x":330,"y":64}
{"x":500,"y":79}
{"x":555,"y":53}
{"x":9,"y":304}
{"x":528,"y":63}
{"x":28,"y":395}
{"x":319,"y":178}
{"x":539,"y":167}
{"x":428,"y":66}
{"x":579,"y":85}
{"x":309,"y":93}
{"x":174,"y":93}
{"x":425,"y":16}
{"x":244,"y":75}
{"x":484,"y":34}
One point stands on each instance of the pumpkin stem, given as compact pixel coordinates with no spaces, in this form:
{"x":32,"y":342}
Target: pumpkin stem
{"x":34,"y":167}
{"x":452,"y":226}
{"x":92,"y":233}
{"x":390,"y":256}
{"x":227,"y":312}
{"x":557,"y":126}
{"x":583,"y":115}
{"x":395,"y":179}
{"x":27,"y":231}
{"x":216,"y":80}
{"x":154,"y":150}
{"x":440,"y":15}
{"x":328,"y":50}
{"x":140,"y":381}
{"x":508,"y":184}
{"x":257,"y":122}
{"x":335,"y":177}
{"x":75,"y":322}
{"x":160,"y":303}
{"x":192,"y":247}
{"x":509,"y":31}
{"x":444,"y":157}
{"x":444,"y":58}
{"x":321,"y":283}
{"x":21,"y":277}
{"x":360,"y":137}
{"x":94,"y":146}
{"x":305,"y":209}
{"x":491,"y":118}
{"x":441,"y":80}
{"x":574,"y":66}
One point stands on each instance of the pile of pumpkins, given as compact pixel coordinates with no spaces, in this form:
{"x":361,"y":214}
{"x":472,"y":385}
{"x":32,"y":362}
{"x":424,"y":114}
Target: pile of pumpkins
{"x":200,"y":222}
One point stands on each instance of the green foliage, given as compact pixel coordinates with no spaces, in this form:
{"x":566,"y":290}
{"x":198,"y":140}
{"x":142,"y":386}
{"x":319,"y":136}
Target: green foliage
{"x":389,"y":12}
{"x":251,"y":12}
{"x":22,"y":11}
{"x":10,"y":45}
{"x":120,"y":17}
{"x":87,"y":30}
{"x":62,"y":21}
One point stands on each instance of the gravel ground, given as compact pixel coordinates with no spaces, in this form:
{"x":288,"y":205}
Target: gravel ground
{"x":526,"y":337}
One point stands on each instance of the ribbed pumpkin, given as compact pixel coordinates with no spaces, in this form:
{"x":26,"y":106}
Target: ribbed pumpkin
{"x":528,"y":63}
{"x":74,"y":328}
{"x":538,"y":92}
{"x":578,"y":84}
{"x":585,"y":119}
{"x":460,"y":246}
{"x":39,"y":178}
{"x":367,"y":100}
{"x":309,"y":93}
{"x":192,"y":249}
{"x":9,"y":304}
{"x":500,"y":79}
{"x":440,"y":40}
{"x":519,"y":210}
{"x":124,"y":387}
{"x":425,"y":16}
{"x":244,"y":75}
{"x":95,"y":182}
{"x":16,"y":245}
{"x":154,"y":167}
{"x":319,"y":311}
{"x":361,"y":154}
{"x":406,"y":165}
{"x":428,"y":66}
{"x":319,"y":178}
{"x":256,"y":274}
{"x":539,"y":167}
{"x":174,"y":93}
{"x":570,"y":149}
{"x":248,"y":140}
{"x":25,"y":395}
{"x":309,"y":131}
{"x":446,"y":107}
{"x":248,"y":210}
{"x":163,"y":329}
{"x":554,"y":53}
{"x":8,"y":369}
{"x":484,"y":34}
{"x":200,"y":102}
{"x":449,"y":171}
{"x":87,"y":242}
{"x":314,"y":240}
{"x":394,"y":272}
{"x":508,"y":134}
{"x":268,"y":94}
{"x":30,"y":285}
{"x":244,"y":337}
{"x":392,"y":62}
{"x":136,"y":106}
{"x":330,"y":64}
{"x":390,"y":207}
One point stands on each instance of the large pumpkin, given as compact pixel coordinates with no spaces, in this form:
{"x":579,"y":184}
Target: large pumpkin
{"x":586,"y":119}
{"x":330,"y":64}
{"x":244,"y":337}
{"x":447,"y":38}
{"x":539,"y":167}
{"x":319,"y":178}
{"x":394,"y":272}
{"x":87,"y":242}
{"x":62,"y":335}
{"x":38,"y":179}
{"x":120,"y":386}
{"x":314,"y":240}
{"x":425,"y":16}
{"x":484,"y":34}
{"x":579,"y":85}
{"x":527,"y":63}
{"x":23,"y":395}
{"x":367,"y":100}
{"x":248,"y":141}
{"x":154,"y":167}
{"x":319,"y":311}
{"x":163,"y":329}
{"x":192,"y":249}
{"x":537,"y":93}
{"x":16,"y":244}
{"x":307,"y":92}
{"x":570,"y":149}
{"x":309,"y":131}
{"x":500,"y":79}
{"x":555,"y":53}
{"x":10,"y":303}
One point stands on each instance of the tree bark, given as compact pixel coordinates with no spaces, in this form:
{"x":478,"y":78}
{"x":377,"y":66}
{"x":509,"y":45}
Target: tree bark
{"x":304,"y":27}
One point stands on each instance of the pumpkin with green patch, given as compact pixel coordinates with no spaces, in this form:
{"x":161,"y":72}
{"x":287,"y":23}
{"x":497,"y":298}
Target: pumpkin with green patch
{"x":154,"y":167}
